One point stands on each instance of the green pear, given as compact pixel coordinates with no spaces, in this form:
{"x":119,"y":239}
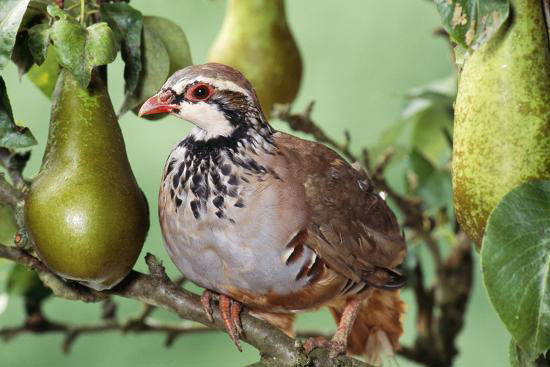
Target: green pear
{"x":84,"y":210}
{"x":502,"y":117}
{"x":255,"y":39}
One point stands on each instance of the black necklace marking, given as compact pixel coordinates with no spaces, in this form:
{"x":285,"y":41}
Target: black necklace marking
{"x":205,"y":162}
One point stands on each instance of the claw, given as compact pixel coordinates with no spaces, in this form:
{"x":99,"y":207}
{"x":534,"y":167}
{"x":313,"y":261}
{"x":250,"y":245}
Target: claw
{"x":236,"y":315}
{"x":334,"y":347}
{"x":338,"y":344}
{"x":206,"y":299}
{"x":230,"y":310}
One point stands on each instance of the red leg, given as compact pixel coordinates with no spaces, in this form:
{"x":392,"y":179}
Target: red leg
{"x":231,"y":318}
{"x":236,"y":309}
{"x":206,"y":299}
{"x":338,"y":344}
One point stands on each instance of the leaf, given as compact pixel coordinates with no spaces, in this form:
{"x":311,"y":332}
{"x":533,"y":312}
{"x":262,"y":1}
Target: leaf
{"x":126,"y":23}
{"x":7,"y":225}
{"x":515,"y":259}
{"x":45,"y":75}
{"x":518,"y":358}
{"x":81,"y":49}
{"x":173,"y":38}
{"x":39,"y":40}
{"x":156,"y":66}
{"x":433,"y":185}
{"x":429,"y":134}
{"x":11,"y":135}
{"x":11,"y":14}
{"x":24,"y":282}
{"x":471,"y":23}
{"x":21,"y":56}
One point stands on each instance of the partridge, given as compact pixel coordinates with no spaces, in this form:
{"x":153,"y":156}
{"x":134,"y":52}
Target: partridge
{"x":273,"y":222}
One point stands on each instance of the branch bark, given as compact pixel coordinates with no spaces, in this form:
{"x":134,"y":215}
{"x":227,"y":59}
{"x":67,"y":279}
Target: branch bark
{"x":276,"y":348}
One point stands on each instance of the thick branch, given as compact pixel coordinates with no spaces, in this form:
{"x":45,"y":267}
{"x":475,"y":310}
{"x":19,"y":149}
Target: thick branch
{"x":276,"y":348}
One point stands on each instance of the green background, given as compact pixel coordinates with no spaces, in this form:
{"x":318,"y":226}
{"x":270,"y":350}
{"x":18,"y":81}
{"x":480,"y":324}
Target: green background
{"x":360,"y":58}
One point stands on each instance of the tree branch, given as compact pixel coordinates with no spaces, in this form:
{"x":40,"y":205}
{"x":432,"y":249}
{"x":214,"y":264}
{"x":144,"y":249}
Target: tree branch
{"x":276,"y":348}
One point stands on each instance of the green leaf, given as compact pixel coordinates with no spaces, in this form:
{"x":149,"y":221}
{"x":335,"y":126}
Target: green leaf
{"x":515,"y":259}
{"x":39,"y":40}
{"x":518,"y":358}
{"x":11,"y":135}
{"x":21,"y":56}
{"x":431,"y":113}
{"x":156,"y":67}
{"x":11,"y":14}
{"x":127,"y":23}
{"x":471,"y":23}
{"x":432,"y":184}
{"x":81,"y":49}
{"x":173,"y":38}
{"x":45,"y":75}
{"x":7,"y":225}
{"x":24,"y":282}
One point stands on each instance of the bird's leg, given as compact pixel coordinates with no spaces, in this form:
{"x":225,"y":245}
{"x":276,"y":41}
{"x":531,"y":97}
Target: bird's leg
{"x":206,"y":299}
{"x":230,"y":311}
{"x":338,"y":344}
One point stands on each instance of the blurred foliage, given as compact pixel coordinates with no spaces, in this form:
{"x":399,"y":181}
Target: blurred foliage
{"x":24,"y":282}
{"x":11,"y":135}
{"x":7,"y":225}
{"x":422,"y":138}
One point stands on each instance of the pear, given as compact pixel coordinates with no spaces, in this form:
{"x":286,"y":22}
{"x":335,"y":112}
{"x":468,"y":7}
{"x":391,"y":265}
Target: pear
{"x":84,"y":210}
{"x":502,"y":117}
{"x":255,"y":39}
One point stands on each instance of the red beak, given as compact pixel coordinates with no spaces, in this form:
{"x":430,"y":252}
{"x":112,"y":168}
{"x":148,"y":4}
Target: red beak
{"x":154,"y":105}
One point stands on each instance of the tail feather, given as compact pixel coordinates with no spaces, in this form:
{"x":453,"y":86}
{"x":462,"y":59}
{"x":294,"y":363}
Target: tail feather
{"x":378,"y":325}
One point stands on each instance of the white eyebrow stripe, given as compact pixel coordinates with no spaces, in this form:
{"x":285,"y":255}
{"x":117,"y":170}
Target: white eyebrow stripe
{"x":219,"y":84}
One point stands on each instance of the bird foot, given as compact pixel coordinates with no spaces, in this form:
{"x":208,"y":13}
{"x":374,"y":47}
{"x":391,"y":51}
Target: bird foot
{"x":335,"y":347}
{"x":230,"y":310}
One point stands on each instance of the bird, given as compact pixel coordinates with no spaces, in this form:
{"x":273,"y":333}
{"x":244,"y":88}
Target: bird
{"x":277,"y":224}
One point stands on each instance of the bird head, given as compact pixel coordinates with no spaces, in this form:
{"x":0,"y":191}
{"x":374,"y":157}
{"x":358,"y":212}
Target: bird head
{"x":214,"y":97}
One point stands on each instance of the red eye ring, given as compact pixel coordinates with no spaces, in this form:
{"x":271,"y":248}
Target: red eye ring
{"x":199,"y":92}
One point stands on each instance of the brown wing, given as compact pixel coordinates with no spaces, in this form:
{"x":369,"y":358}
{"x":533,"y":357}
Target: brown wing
{"x":350,"y":226}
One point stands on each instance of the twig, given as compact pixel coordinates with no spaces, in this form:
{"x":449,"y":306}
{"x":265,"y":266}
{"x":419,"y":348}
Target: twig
{"x":276,"y":348}
{"x":302,"y":122}
{"x":72,"y":332}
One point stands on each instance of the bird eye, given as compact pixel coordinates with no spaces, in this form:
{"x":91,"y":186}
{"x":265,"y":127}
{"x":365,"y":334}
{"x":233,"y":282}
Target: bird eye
{"x":200,"y":92}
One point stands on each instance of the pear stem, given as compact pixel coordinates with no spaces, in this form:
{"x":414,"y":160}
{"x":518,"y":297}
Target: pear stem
{"x":83,"y":12}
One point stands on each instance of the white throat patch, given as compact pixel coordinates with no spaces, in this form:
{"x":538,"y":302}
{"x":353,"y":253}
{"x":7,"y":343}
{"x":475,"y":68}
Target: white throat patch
{"x":206,"y":117}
